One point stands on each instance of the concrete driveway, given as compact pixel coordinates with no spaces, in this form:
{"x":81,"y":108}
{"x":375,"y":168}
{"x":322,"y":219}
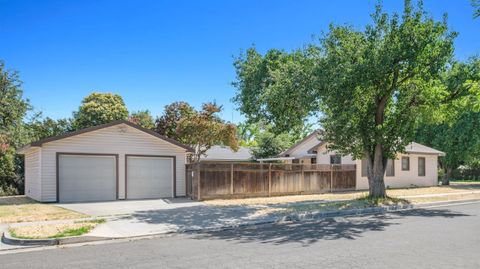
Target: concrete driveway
{"x":146,"y":217}
{"x":128,"y":207}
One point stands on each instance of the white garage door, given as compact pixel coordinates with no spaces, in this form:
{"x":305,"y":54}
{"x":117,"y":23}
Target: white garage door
{"x":149,"y":177}
{"x":84,"y":178}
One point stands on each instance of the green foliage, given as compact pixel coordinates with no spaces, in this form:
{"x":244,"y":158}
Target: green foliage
{"x":455,"y":128}
{"x":476,"y":8}
{"x":277,"y":88}
{"x":167,"y":124}
{"x":200,"y":129}
{"x":247,"y":134}
{"x":369,"y":85}
{"x":13,"y":108}
{"x":270,"y":145}
{"x":39,"y":128}
{"x":99,"y":108}
{"x":142,"y":118}
{"x":377,"y":81}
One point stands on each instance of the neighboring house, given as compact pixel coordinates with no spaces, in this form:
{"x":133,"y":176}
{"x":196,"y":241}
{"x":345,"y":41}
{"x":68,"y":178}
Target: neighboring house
{"x":418,"y":166}
{"x":226,"y":154}
{"x":118,"y":160}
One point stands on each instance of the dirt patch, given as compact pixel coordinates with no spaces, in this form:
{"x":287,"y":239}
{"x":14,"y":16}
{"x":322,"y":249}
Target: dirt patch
{"x":22,"y":209}
{"x":456,"y":188}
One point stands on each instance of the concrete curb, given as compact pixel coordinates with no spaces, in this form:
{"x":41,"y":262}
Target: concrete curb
{"x":8,"y":239}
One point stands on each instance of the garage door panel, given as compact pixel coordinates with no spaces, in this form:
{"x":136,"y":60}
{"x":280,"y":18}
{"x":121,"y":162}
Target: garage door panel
{"x":149,"y":177}
{"x":87,"y":178}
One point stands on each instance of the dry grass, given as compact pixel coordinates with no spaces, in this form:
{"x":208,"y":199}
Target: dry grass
{"x":22,"y":209}
{"x":52,"y":230}
{"x":394,"y":193}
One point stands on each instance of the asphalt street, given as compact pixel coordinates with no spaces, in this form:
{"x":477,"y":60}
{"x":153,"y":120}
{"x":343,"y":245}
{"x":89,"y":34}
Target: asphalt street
{"x":441,"y":237}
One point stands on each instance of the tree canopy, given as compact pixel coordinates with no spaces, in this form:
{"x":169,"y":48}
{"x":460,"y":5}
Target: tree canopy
{"x":368,"y":85}
{"x":99,"y":108}
{"x":200,"y":129}
{"x":455,"y":127}
{"x":142,"y":118}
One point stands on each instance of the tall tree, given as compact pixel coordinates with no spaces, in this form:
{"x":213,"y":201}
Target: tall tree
{"x":200,"y":129}
{"x":99,"y":108}
{"x":455,"y":127}
{"x":13,"y":108}
{"x":370,"y":84}
{"x":142,"y":118}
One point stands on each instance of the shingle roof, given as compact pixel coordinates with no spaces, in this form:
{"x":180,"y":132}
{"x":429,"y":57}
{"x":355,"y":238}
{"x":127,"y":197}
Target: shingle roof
{"x":415,"y":147}
{"x":223,"y":153}
{"x":40,"y":142}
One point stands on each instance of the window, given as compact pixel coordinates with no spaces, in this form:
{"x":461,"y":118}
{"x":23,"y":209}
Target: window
{"x":313,"y":160}
{"x":335,"y":159}
{"x":390,"y":169}
{"x":296,"y":161}
{"x":421,"y":166}
{"x":405,"y":163}
{"x":364,"y":168}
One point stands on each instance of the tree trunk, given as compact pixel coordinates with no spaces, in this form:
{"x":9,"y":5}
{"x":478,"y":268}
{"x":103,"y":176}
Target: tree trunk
{"x":447,"y":176}
{"x":375,"y":172}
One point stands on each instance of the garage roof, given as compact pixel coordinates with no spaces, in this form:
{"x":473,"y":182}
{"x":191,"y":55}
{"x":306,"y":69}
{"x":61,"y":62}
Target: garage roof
{"x":40,"y":142}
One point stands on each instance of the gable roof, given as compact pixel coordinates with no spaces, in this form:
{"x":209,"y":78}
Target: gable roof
{"x":415,"y":147}
{"x":292,"y":148}
{"x":224,"y":153}
{"x":40,"y":142}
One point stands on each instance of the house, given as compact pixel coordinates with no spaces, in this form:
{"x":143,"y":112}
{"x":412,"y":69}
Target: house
{"x":417,"y":166}
{"x":226,"y":154}
{"x":113,"y":161}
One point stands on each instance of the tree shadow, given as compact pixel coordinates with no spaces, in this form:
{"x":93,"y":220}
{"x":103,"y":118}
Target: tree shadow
{"x":309,"y":232}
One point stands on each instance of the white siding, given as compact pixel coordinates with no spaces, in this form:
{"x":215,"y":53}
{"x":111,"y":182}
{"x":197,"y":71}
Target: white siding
{"x":406,"y":178}
{"x":302,"y":149}
{"x":119,"y":139}
{"x":32,"y":174}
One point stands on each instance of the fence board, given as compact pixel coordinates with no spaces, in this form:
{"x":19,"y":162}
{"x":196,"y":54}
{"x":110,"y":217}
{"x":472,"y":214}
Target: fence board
{"x":231,"y":180}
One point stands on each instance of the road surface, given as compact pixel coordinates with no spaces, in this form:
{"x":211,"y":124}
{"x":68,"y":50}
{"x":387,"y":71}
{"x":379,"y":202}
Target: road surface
{"x":442,"y":237}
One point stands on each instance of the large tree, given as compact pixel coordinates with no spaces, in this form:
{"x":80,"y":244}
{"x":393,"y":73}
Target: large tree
{"x":370,"y":84}
{"x":99,"y":108}
{"x":13,"y":108}
{"x":455,"y":127}
{"x":200,"y":129}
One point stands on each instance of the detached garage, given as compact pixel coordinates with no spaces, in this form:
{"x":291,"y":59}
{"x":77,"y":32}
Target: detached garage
{"x":113,"y":161}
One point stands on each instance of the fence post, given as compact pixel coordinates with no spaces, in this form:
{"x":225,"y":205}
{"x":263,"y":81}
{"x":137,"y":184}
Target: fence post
{"x":269,"y":179}
{"x":231,"y":178}
{"x":331,"y":178}
{"x":199,"y":196}
{"x":302,"y":179}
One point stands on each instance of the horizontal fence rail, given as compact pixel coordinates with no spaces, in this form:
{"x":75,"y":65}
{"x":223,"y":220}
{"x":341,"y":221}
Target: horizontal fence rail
{"x":223,"y":180}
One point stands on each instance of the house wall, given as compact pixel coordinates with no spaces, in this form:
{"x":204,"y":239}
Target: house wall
{"x":33,"y":174}
{"x":405,"y":178}
{"x":323,"y":156}
{"x":118,"y":139}
{"x":302,"y":149}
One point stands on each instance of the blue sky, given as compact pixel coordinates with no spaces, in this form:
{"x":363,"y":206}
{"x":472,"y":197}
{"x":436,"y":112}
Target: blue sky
{"x":155,"y":52}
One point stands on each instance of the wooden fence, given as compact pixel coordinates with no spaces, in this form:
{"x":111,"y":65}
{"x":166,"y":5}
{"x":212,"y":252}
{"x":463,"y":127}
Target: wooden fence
{"x":212,"y":180}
